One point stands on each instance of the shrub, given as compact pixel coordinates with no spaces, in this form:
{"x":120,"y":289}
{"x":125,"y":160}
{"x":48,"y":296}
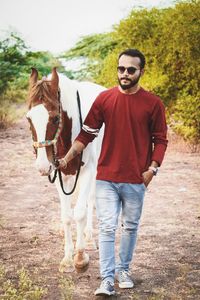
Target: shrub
{"x":186,"y":117}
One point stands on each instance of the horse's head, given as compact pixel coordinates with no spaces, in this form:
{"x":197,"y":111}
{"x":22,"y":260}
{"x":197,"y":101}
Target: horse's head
{"x":45,"y":118}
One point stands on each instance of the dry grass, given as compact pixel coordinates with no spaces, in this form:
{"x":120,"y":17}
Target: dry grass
{"x":19,"y":286}
{"x":10,"y":113}
{"x":178,"y":144}
{"x":66,"y":286}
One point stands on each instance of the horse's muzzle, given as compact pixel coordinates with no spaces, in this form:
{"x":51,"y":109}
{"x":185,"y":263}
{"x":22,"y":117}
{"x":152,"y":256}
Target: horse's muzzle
{"x":47,"y":173}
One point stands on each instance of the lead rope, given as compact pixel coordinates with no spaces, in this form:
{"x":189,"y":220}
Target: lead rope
{"x":81,"y":155}
{"x":56,"y":163}
{"x":52,"y":180}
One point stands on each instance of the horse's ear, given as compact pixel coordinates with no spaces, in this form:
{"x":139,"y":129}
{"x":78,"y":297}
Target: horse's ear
{"x":33,"y":77}
{"x":54,"y":80}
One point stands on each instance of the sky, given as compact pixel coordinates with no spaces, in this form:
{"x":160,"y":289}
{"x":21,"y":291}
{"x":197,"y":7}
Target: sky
{"x":56,"y":25}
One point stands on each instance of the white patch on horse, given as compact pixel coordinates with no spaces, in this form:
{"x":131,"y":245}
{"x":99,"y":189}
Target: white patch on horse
{"x":39,"y":117}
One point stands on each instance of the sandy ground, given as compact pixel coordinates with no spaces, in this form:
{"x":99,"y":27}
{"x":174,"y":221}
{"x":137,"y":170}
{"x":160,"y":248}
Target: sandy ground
{"x":167,"y":259}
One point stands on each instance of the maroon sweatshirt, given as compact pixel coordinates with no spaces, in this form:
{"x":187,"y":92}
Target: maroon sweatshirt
{"x":135,"y":133}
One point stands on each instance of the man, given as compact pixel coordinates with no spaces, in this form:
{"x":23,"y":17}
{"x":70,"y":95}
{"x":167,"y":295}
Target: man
{"x":133,"y":148}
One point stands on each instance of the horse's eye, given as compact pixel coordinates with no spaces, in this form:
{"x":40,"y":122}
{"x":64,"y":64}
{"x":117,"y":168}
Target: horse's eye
{"x":55,"y":120}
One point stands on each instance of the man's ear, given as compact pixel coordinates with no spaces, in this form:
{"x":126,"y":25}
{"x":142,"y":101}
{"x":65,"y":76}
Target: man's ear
{"x":142,"y":72}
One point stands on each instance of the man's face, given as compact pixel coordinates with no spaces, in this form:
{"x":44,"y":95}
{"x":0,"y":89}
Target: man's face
{"x":129,"y":71}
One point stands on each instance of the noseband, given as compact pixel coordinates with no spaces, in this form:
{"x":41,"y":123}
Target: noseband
{"x":53,"y":142}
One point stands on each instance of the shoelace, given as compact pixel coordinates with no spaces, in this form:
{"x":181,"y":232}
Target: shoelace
{"x":107,"y":283}
{"x":125,"y":275}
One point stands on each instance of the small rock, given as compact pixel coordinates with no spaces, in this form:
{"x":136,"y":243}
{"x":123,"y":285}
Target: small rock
{"x":182,"y":189}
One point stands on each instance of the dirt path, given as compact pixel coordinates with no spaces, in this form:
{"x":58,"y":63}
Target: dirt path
{"x":167,"y":259}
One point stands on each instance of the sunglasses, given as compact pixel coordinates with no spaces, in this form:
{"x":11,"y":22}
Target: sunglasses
{"x":130,"y":70}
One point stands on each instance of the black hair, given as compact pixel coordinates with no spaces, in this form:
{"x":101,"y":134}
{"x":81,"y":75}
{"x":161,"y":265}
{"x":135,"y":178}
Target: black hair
{"x":134,"y":53}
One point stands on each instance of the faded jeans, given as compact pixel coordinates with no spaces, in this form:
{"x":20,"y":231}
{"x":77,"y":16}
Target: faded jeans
{"x":111,"y":200}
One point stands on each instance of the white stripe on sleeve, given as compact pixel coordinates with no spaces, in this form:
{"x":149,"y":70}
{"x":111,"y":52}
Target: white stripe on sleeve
{"x":90,"y":130}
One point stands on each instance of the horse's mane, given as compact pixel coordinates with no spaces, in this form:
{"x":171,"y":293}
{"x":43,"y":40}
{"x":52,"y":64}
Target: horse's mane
{"x":41,"y":93}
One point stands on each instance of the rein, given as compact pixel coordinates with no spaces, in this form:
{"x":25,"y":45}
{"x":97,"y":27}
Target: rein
{"x":56,"y":163}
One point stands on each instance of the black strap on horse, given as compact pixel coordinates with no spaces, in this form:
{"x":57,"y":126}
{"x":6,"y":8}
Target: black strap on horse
{"x":81,"y":155}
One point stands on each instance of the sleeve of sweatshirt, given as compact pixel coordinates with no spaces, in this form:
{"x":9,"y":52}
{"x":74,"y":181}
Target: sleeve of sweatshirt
{"x":92,"y":123}
{"x":159,"y":132}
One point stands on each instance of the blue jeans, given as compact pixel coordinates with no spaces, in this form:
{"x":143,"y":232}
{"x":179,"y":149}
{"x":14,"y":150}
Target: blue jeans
{"x":111,"y":199}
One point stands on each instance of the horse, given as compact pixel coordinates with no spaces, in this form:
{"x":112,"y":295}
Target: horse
{"x":56,"y":107}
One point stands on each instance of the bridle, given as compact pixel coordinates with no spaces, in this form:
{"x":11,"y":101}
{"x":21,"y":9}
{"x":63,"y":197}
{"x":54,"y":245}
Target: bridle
{"x":53,"y":142}
{"x":47,"y":143}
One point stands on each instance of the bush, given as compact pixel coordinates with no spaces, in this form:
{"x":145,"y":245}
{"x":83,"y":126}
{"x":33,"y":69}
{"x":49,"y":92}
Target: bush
{"x":186,"y":117}
{"x":15,"y":65}
{"x":10,"y":113}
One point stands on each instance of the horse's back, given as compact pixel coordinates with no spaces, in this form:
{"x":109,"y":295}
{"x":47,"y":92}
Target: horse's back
{"x":88,"y":92}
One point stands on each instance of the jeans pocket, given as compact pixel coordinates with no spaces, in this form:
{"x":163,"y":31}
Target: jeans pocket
{"x":144,"y":186}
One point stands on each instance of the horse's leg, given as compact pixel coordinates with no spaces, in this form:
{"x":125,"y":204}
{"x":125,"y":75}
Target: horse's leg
{"x":66,"y":218}
{"x":90,"y":209}
{"x":81,"y":259}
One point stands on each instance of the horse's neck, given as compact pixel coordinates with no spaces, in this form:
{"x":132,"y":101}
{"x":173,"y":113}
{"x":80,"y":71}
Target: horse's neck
{"x":68,"y":90}
{"x":69,"y":103}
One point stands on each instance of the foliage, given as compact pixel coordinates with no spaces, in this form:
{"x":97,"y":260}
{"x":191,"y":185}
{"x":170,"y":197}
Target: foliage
{"x":43,"y":62}
{"x":23,"y":288}
{"x":12,"y":58}
{"x":16,"y":62}
{"x":186,"y":117}
{"x":66,"y":286}
{"x":93,"y":49}
{"x":15,"y":66}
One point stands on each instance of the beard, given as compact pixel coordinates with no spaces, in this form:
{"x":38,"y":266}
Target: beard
{"x":130,"y":85}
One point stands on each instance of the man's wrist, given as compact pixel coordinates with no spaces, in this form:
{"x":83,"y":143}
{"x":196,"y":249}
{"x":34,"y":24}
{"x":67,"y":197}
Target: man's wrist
{"x":65,"y":160}
{"x":154,"y":170}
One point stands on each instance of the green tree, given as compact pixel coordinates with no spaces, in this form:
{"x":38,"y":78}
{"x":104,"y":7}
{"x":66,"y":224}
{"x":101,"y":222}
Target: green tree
{"x":43,"y":61}
{"x":92,"y":50}
{"x":12,"y":59}
{"x":15,"y":66}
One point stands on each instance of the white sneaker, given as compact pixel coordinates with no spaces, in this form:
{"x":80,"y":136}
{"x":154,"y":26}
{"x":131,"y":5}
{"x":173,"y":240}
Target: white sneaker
{"x":106,"y":288}
{"x":124,"y":279}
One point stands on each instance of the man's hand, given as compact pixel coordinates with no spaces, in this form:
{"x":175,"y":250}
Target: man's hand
{"x":76,"y":148}
{"x":147,"y":176}
{"x":62,"y":163}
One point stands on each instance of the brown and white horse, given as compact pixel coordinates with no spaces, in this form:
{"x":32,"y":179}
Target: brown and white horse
{"x":55,"y":121}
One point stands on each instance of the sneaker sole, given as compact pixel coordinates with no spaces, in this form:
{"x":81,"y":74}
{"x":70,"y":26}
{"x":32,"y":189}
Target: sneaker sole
{"x":126,"y":285}
{"x":104,"y":293}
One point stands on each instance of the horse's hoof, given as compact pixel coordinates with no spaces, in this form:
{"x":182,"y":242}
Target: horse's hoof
{"x":65,"y":264}
{"x":81,"y":261}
